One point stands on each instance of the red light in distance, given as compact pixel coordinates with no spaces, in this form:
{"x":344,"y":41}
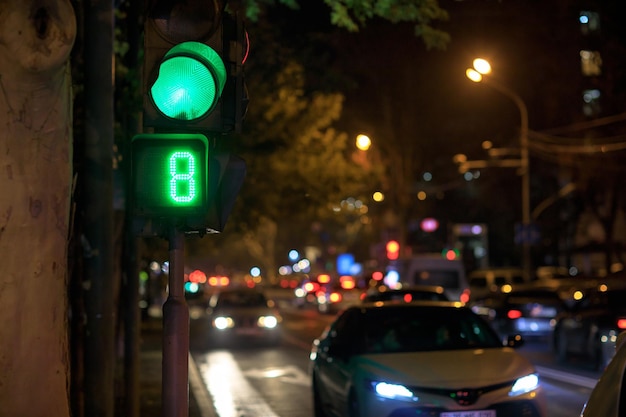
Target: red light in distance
{"x":514,"y":314}
{"x":377,"y":276}
{"x":393,"y":250}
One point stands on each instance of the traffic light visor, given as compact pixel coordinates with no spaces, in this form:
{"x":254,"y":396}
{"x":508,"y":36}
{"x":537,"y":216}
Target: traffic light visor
{"x":190,"y":81}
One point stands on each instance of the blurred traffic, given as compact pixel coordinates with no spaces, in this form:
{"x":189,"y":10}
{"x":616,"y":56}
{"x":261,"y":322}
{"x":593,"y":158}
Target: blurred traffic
{"x":243,"y":313}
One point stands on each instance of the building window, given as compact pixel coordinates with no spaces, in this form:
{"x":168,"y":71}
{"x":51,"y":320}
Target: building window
{"x":591,"y":103}
{"x":590,"y":63}
{"x":589,"y":22}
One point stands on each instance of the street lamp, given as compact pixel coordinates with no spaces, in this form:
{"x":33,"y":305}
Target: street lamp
{"x":363,"y":142}
{"x":481,"y":68}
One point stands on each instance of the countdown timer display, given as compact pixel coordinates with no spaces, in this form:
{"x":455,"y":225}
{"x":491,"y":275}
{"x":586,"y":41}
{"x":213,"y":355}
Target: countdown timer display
{"x":169,"y":174}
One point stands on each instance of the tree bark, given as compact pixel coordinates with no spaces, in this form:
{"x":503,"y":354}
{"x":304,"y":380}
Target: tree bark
{"x":36,"y":38}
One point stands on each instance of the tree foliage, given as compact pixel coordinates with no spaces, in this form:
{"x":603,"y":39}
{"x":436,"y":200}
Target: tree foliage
{"x":353,"y":15}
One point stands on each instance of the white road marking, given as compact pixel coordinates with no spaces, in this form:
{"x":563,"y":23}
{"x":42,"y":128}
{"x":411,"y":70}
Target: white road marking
{"x":287,"y":374}
{"x":581,"y":381}
{"x":200,"y":393}
{"x":232,"y":395}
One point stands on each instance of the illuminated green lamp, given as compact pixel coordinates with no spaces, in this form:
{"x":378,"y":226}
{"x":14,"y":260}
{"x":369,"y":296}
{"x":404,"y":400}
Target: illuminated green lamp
{"x":190,"y":81}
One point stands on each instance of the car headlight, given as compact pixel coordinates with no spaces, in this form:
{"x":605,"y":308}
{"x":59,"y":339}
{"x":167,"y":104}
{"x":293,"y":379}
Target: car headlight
{"x":223,"y":322}
{"x":268,"y":322}
{"x":394,"y":391}
{"x":524,"y":384}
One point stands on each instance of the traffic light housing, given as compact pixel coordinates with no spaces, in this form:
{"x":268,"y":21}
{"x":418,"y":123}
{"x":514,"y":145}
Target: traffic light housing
{"x":170,"y":175}
{"x":176,"y":179}
{"x":193,"y":67}
{"x":194,"y":98}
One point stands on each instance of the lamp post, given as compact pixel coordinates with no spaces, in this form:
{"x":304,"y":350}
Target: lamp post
{"x":482,"y":67}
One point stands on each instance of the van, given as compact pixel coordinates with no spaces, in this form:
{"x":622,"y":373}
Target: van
{"x":485,"y":281}
{"x":433,"y":269}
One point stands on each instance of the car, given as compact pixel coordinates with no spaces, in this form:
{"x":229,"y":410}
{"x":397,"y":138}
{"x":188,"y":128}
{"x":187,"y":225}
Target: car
{"x":608,"y":397}
{"x":429,"y":358}
{"x":309,"y":289}
{"x":525,"y":310}
{"x":590,"y":328}
{"x":333,"y":298}
{"x":485,"y":281}
{"x":405,"y":294}
{"x":243,"y":313}
{"x":433,"y":269}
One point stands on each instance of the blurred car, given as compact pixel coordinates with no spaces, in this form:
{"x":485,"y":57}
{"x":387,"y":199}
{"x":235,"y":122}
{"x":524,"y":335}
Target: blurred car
{"x":528,"y":311}
{"x":421,"y":358}
{"x":405,"y":294}
{"x":485,"y":281}
{"x":553,"y":272}
{"x":333,"y":298}
{"x":590,"y":328}
{"x":309,"y":289}
{"x":608,"y":397}
{"x":243,"y":313}
{"x":433,"y":269}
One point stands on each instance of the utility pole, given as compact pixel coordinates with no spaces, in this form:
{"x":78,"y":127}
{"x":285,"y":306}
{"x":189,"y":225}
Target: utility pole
{"x":476,"y":74}
{"x":97,"y":227}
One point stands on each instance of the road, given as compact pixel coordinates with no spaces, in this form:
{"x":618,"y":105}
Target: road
{"x":272,"y":381}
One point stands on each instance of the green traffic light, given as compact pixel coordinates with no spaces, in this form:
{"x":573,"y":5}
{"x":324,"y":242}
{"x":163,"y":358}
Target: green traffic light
{"x":190,"y":81}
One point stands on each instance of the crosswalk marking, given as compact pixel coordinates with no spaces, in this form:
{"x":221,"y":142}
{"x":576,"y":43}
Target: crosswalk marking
{"x":232,"y":395}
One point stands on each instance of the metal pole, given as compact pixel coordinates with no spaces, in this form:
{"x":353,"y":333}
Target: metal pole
{"x":96,"y":201}
{"x":526,"y":260}
{"x":175,"y":371}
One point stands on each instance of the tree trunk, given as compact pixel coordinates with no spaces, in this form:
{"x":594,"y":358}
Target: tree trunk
{"x":36,"y":38}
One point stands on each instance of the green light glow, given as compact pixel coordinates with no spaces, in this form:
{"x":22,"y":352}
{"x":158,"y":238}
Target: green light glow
{"x":190,"y":81}
{"x":169,"y":174}
{"x":182,"y":184}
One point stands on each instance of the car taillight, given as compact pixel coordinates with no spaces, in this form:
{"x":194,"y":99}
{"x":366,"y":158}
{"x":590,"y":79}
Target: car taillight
{"x":514,"y":314}
{"x":464,"y":298}
{"x":334,"y":297}
{"x":408,"y":298}
{"x":621,"y":323}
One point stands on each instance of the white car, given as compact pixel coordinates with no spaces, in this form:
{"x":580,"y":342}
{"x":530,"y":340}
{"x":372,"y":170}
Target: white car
{"x":422,"y":358}
{"x":608,"y":398}
{"x":243,"y":313}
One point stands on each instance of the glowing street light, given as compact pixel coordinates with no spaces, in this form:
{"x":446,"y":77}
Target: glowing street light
{"x":363,"y":142}
{"x":482,"y":66}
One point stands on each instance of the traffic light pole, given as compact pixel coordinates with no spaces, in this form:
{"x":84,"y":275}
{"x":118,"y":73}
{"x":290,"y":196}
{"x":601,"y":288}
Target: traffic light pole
{"x":175,"y":361}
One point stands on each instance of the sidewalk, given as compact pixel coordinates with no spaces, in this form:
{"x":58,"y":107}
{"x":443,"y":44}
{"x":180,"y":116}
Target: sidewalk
{"x":150,"y":371}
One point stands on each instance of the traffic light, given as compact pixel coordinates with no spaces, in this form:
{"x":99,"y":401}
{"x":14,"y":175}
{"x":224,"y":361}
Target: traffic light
{"x":194,"y":97}
{"x":174,"y":176}
{"x":393,"y":250}
{"x":193,"y":67}
{"x":190,"y":82}
{"x":451,"y":254}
